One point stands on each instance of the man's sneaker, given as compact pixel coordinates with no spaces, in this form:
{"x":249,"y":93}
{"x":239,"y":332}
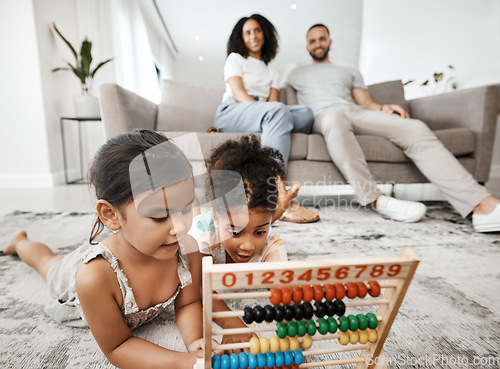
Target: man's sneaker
{"x":487,"y":222}
{"x":400,"y":210}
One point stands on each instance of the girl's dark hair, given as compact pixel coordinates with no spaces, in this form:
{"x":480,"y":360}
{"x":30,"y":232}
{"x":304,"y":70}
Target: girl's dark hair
{"x":258,"y":167}
{"x":235,"y":44}
{"x":111,"y":171}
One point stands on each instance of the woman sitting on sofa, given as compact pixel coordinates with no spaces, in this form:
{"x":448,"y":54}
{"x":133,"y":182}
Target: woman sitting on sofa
{"x":250,"y":103}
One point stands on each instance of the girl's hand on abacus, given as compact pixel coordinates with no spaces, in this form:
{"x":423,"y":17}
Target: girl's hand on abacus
{"x":199,"y":345}
{"x":237,"y":338}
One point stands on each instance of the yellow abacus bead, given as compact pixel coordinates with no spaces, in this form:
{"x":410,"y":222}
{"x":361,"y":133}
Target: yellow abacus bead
{"x":254,"y":345}
{"x":264,"y":345}
{"x":274,"y":343}
{"x":307,"y":341}
{"x":343,"y":338}
{"x":372,"y":335}
{"x":363,"y":337}
{"x":294,"y":343}
{"x":353,"y":337}
{"x":284,"y":344}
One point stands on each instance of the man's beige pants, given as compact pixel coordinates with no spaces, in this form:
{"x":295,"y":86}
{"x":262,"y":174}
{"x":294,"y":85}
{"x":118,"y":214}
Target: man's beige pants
{"x":340,"y":125}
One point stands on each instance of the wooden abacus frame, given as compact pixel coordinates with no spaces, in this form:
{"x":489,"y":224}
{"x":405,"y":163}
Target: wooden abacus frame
{"x":396,"y":272}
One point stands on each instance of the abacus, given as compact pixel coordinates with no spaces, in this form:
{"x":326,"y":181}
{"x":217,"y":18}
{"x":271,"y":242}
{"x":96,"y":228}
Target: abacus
{"x":295,"y":293}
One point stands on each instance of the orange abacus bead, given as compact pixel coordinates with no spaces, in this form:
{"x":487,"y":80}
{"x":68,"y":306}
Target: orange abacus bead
{"x":374,"y":288}
{"x":318,"y":292}
{"x":362,"y":289}
{"x":296,"y":294}
{"x":286,"y":295}
{"x":308,"y":293}
{"x":339,"y":291}
{"x":329,"y":291}
{"x":275,"y":296}
{"x":352,"y":290}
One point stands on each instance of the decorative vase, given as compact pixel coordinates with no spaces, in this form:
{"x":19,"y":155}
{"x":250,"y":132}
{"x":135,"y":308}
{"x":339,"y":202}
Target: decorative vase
{"x":87,"y":106}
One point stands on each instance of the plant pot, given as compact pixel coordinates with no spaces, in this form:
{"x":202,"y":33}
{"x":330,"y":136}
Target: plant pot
{"x":87,"y":106}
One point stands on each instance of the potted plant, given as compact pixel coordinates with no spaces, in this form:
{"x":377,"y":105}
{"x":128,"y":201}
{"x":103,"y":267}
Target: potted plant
{"x":86,"y":105}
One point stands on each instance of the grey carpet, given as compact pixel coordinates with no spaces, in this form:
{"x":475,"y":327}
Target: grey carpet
{"x":450,"y":317}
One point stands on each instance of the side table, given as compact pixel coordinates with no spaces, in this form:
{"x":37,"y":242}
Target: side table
{"x":80,"y":121}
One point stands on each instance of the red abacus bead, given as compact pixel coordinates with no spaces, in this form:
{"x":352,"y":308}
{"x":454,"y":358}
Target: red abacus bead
{"x":329,"y":291}
{"x":352,"y":290}
{"x":296,"y":294}
{"x":308,"y":293}
{"x":362,"y":289}
{"x":374,"y":288}
{"x":339,"y":291}
{"x":286,"y":295}
{"x":275,"y":296}
{"x":294,"y":366}
{"x":318,"y":292}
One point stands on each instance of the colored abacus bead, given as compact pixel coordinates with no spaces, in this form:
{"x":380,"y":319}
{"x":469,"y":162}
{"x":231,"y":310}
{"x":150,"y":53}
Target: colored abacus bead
{"x":264,"y":345}
{"x":343,"y":323}
{"x":271,"y":360}
{"x":296,"y":294}
{"x":269,"y":313}
{"x":298,"y":357}
{"x":275,"y":298}
{"x":234,"y":361}
{"x":339,"y":291}
{"x":353,"y":322}
{"x":363,"y":321}
{"x":307,"y":293}
{"x":225,"y":362}
{"x":343,"y":338}
{"x":301,"y":328}
{"x":339,"y":307}
{"x":243,"y":359}
{"x":291,"y":328}
{"x":353,"y":337}
{"x":279,"y":313}
{"x":288,"y":312}
{"x":374,"y":288}
{"x":258,"y":313}
{"x":294,"y":343}
{"x":320,"y":311}
{"x":363,"y":337}
{"x":372,"y":320}
{"x":330,"y":308}
{"x":274,"y":344}
{"x":308,"y":310}
{"x":261,"y":360}
{"x":286,"y":295}
{"x":298,"y":311}
{"x":318,"y":292}
{"x":332,"y":325}
{"x":248,"y":315}
{"x":216,"y":362}
{"x":322,"y":326}
{"x":372,"y":335}
{"x":284,"y":344}
{"x":329,"y":291}
{"x":254,"y":345}
{"x":311,"y":327}
{"x":362,"y":289}
{"x":288,"y":357}
{"x":307,"y":342}
{"x":252,"y":361}
{"x":279,"y":359}
{"x":352,"y":290}
{"x":281,"y":330}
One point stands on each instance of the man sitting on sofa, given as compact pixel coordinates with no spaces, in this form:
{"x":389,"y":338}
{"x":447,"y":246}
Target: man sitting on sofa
{"x":343,"y":107}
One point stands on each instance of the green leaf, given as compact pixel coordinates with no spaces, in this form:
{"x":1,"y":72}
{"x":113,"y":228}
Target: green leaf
{"x":451,"y":67}
{"x":79,"y":73}
{"x":60,"y":68}
{"x":454,"y":86}
{"x":408,"y":82}
{"x":438,"y":77}
{"x":99,"y":66}
{"x":86,"y":56}
{"x":66,"y":41}
{"x":425,"y":83}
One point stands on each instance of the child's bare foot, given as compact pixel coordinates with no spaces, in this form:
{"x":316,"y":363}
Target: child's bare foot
{"x":10,"y":248}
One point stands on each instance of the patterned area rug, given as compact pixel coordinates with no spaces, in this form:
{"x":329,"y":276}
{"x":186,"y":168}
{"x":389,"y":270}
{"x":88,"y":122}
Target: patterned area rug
{"x":450,"y":317}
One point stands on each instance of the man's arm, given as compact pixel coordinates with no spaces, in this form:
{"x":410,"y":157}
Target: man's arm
{"x":362,"y":98}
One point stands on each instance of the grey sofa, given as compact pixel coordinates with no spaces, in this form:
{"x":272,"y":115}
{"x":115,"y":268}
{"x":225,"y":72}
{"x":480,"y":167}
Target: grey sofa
{"x":464,"y":120}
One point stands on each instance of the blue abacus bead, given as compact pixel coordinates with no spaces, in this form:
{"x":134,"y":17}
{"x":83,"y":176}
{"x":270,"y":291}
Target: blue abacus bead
{"x":252,"y":361}
{"x":234,"y":361}
{"x":224,"y":362}
{"x":243,"y":360}
{"x":279,"y":359}
{"x":298,"y":357}
{"x":261,"y":360}
{"x":216,"y":362}
{"x":271,"y":359}
{"x":288,"y":357}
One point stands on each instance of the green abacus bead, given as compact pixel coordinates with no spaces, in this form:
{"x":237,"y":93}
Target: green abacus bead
{"x":343,"y":323}
{"x":281,"y":330}
{"x":323,"y":326}
{"x":332,"y":324}
{"x":372,"y":320}
{"x":363,"y":321}
{"x":353,"y":323}
{"x":301,"y":328}
{"x":291,"y":328}
{"x":311,"y":327}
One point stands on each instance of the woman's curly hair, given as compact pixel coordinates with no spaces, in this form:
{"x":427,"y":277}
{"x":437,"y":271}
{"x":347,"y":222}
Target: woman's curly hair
{"x":235,"y":44}
{"x":258,"y":167}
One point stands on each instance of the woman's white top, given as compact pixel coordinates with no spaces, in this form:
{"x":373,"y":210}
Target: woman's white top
{"x":258,"y":78}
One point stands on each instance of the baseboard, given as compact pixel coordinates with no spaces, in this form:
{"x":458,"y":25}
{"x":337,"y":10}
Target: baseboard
{"x":35,"y":180}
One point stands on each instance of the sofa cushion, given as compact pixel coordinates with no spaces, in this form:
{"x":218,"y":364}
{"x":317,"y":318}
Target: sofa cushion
{"x":459,"y":141}
{"x":188,"y":107}
{"x":208,"y":141}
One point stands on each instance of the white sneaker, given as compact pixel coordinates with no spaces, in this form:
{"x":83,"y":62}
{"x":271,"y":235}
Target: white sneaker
{"x":487,"y":222}
{"x":400,"y":210}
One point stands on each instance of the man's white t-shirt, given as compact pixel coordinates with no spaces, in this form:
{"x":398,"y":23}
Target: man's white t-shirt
{"x":258,"y":78}
{"x":323,"y":85}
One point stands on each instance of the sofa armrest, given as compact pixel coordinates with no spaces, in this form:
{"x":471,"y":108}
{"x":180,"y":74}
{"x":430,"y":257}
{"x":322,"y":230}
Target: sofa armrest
{"x":288,"y":95}
{"x":473,"y":108}
{"x":123,"y":110}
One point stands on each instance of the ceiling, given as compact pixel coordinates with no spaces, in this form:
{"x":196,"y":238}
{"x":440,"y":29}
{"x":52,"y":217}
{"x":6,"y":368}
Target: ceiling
{"x":200,"y":29}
